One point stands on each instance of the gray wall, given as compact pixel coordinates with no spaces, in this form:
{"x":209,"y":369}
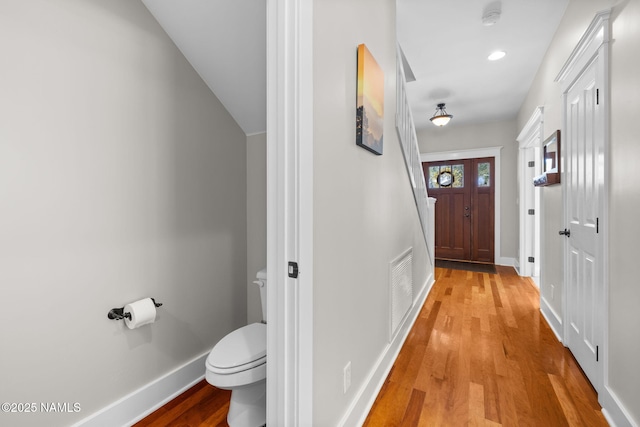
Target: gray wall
{"x":364,"y":212}
{"x":256,"y":220}
{"x":121,"y":177}
{"x":624,"y":316}
{"x":624,"y":197}
{"x":493,"y":134}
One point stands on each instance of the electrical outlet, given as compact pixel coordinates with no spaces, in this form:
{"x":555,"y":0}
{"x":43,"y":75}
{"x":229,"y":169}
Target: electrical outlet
{"x":346,"y":377}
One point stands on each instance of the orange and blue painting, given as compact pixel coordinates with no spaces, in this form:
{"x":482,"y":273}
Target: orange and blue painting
{"x":370,"y":102}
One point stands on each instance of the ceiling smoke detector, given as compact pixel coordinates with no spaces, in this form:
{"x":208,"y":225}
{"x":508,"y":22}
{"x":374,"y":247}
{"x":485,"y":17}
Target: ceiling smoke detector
{"x":491,"y":13}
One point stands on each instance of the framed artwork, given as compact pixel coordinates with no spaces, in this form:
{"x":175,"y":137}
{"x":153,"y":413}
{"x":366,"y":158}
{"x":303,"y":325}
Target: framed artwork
{"x":550,"y":161}
{"x":370,"y":102}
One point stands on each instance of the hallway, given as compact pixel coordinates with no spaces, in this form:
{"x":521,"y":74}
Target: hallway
{"x":480,"y":354}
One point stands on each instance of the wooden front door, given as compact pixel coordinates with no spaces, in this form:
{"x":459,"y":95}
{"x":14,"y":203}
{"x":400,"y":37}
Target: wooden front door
{"x":464,"y":190}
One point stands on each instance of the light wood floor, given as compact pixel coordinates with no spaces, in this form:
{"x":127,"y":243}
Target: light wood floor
{"x":479,"y":354}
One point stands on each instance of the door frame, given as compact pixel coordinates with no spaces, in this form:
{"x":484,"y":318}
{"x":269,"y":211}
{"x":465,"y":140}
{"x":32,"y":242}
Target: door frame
{"x":530,"y":139}
{"x":594,"y":45}
{"x":289,"y":212}
{"x":472,"y":154}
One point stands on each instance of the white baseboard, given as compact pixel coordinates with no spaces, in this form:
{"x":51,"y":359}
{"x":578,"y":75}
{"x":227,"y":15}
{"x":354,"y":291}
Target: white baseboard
{"x":507,"y":261}
{"x":613,"y":410}
{"x":361,"y":404}
{"x":140,"y":403}
{"x":552,"y":318}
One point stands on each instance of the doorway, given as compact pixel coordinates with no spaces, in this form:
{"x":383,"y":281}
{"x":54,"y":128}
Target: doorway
{"x":530,"y":202}
{"x":465,"y":211}
{"x":585,"y":89}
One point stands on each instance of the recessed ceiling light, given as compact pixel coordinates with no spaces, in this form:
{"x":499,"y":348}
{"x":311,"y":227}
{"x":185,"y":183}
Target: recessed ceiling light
{"x":499,"y":54}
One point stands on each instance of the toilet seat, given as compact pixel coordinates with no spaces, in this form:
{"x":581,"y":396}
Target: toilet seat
{"x":240,"y":350}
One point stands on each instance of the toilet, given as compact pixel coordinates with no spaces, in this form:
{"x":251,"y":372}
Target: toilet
{"x":238,"y":362}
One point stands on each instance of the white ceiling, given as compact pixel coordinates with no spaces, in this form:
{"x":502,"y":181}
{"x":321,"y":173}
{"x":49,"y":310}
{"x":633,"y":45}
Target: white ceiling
{"x":445,"y":43}
{"x":225,"y":41}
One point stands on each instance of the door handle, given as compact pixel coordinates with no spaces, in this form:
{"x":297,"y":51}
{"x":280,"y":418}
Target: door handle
{"x":565,"y":233}
{"x":467,"y":215}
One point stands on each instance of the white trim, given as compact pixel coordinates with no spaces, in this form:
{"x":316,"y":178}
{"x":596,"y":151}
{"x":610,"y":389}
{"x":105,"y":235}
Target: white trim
{"x":614,"y":411}
{"x":587,"y":47}
{"x":473,"y":154}
{"x":507,"y":261}
{"x":532,"y":126}
{"x":361,"y":404}
{"x":593,"y":45}
{"x":516,"y":265}
{"x":256,"y":133}
{"x":553,"y":319}
{"x":530,"y":138}
{"x":136,"y":405}
{"x":289,"y":212}
{"x":470,"y":153}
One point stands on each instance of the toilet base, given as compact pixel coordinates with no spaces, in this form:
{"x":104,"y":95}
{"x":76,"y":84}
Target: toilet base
{"x":248,"y":407}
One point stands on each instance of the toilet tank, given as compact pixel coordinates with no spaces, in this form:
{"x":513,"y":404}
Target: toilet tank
{"x":262,"y":284}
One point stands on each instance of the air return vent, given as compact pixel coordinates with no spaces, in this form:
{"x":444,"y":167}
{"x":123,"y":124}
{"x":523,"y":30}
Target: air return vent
{"x":401,"y":290}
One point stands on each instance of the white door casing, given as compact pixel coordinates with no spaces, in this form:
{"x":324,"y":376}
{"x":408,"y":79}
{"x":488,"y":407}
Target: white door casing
{"x":582,"y":258}
{"x":584,"y":80}
{"x":289,"y":212}
{"x":529,"y":144}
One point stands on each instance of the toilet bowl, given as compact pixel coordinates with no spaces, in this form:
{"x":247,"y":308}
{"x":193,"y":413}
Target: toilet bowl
{"x":238,"y":362}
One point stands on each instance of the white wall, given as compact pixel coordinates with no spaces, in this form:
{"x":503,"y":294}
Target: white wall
{"x":121,"y":177}
{"x":482,"y":135}
{"x":256,"y":220}
{"x":624,"y":200}
{"x":364,"y":212}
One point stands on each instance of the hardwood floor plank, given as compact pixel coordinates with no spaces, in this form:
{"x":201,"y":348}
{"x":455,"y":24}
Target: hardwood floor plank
{"x":414,"y":409}
{"x":476,"y":401}
{"x":566,"y":402}
{"x":391,"y":407}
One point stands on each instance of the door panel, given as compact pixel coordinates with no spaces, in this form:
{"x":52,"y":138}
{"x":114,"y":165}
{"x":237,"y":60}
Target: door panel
{"x":453,"y":227}
{"x":483,"y":210}
{"x":582,"y":217}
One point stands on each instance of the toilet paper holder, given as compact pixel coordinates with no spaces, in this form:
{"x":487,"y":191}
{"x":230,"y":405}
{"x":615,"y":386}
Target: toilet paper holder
{"x":119,"y":314}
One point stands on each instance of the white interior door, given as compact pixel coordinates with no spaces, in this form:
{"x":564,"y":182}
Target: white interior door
{"x":583,"y":260}
{"x":530,"y":166}
{"x":532,"y":214}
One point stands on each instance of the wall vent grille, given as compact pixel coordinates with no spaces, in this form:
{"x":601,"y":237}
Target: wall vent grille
{"x":401,"y":286}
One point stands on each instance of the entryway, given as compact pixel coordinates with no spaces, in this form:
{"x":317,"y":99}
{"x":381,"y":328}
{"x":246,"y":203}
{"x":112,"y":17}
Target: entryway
{"x":465,"y":211}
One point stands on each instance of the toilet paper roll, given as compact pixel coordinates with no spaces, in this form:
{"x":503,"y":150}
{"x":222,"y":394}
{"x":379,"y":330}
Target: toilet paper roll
{"x":142,"y":312}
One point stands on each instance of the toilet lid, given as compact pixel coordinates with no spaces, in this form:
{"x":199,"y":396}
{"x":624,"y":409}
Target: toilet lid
{"x":240,"y":347}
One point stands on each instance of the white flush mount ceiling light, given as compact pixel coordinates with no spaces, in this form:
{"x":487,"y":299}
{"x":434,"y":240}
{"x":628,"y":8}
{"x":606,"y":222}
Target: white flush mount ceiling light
{"x":498,"y":54}
{"x":440,"y":117}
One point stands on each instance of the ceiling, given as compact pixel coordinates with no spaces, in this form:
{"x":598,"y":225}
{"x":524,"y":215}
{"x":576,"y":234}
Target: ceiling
{"x":225,"y":41}
{"x":445,"y":44}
